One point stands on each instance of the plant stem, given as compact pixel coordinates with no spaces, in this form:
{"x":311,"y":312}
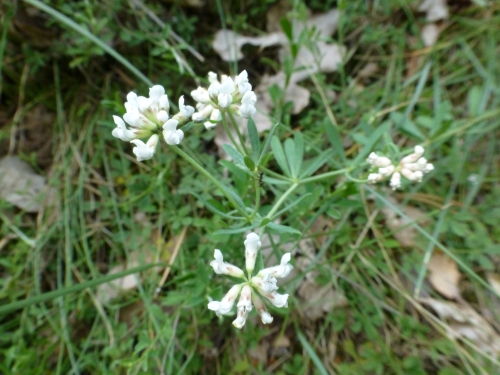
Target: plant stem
{"x":281,"y":200}
{"x":230,"y":135}
{"x":237,"y":128}
{"x":323,"y":176}
{"x":204,"y":172}
{"x":276,"y":175}
{"x":257,"y":197}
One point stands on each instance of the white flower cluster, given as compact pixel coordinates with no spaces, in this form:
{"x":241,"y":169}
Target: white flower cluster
{"x":264,"y":283}
{"x":411,"y":167}
{"x":149,"y":116}
{"x":235,"y":96}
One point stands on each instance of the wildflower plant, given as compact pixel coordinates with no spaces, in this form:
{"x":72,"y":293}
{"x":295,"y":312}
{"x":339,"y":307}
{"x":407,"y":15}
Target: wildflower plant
{"x":220,"y":102}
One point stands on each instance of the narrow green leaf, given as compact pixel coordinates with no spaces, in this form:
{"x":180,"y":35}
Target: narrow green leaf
{"x":312,"y":354}
{"x":212,"y":208}
{"x":317,"y":163}
{"x":279,"y":155}
{"x":234,"y":230}
{"x":283,"y":229}
{"x":299,"y":150}
{"x":254,"y":139}
{"x":249,"y":163}
{"x":236,"y":197}
{"x":234,"y":154}
{"x":73,"y":289}
{"x":290,"y":156}
{"x":334,"y":137}
{"x":267,"y":143}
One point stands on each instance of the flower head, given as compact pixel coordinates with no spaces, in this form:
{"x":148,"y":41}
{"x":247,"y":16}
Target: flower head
{"x":147,"y":117}
{"x":264,"y":283}
{"x":228,"y":94}
{"x":412,"y":167}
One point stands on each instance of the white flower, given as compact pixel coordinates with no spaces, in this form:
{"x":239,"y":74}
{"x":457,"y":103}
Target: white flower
{"x":264,"y":283}
{"x":220,"y":267}
{"x":147,"y":117}
{"x":225,"y":93}
{"x":395,"y":181}
{"x":278,"y":300}
{"x":412,"y":167}
{"x":278,"y":271}
{"x":245,"y":301}
{"x":145,"y":151}
{"x":172,"y":135}
{"x":241,"y":318}
{"x":226,"y":304}
{"x":242,"y":82}
{"x":261,"y":309}
{"x":228,"y":95}
{"x":252,"y":246}
{"x":248,"y":101}
{"x":121,"y":130}
{"x":185,"y":111}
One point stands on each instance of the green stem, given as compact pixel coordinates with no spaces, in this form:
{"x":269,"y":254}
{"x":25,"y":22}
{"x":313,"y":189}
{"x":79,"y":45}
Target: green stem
{"x":230,"y":134}
{"x":276,"y":175}
{"x":323,"y":176}
{"x":281,"y":200}
{"x":257,"y":197}
{"x":237,"y":128}
{"x":349,"y":177}
{"x":204,"y":172}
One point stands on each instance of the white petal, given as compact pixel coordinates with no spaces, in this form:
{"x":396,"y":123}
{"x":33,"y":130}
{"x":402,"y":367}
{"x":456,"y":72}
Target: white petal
{"x":247,"y":110}
{"x":163,"y":103}
{"x":395,"y":182}
{"x":224,"y":100}
{"x":156,"y":92}
{"x":252,"y":246}
{"x":241,"y":318}
{"x":162,"y":116}
{"x":142,"y":151}
{"x":143,"y":103}
{"x":249,"y":98}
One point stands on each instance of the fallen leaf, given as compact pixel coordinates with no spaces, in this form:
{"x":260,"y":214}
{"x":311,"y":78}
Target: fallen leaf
{"x":404,"y":233}
{"x":464,"y":322}
{"x":435,"y":10}
{"x":228,"y":44}
{"x":430,"y":34}
{"x":20,"y":185}
{"x":444,"y":275}
{"x":317,"y":300}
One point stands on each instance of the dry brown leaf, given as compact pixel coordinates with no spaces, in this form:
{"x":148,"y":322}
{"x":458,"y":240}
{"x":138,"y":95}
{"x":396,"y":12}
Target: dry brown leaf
{"x":319,"y":300}
{"x":20,"y":185}
{"x":444,"y":275}
{"x":403,"y":231}
{"x":464,"y":322}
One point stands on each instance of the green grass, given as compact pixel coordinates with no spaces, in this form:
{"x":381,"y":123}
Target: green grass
{"x":111,"y":210}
